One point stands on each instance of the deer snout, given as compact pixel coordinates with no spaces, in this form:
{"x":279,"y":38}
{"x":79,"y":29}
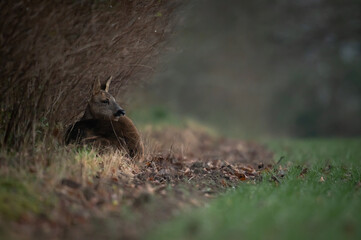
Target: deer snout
{"x":119,"y":113}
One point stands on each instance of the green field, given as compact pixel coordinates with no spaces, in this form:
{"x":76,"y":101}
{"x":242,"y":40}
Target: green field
{"x":323,"y":203}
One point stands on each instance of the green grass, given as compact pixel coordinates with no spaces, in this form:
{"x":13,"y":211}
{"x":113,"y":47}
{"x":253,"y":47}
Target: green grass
{"x":17,"y":198}
{"x":159,"y":117}
{"x":155,"y":115}
{"x":296,"y":208}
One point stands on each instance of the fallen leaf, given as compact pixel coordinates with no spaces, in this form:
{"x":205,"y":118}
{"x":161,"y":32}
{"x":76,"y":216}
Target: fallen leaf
{"x":303,"y":172}
{"x":243,"y":178}
{"x":70,"y":183}
{"x":224,"y":183}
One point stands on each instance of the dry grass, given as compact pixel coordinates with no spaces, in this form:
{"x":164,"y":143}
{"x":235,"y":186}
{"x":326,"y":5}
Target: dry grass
{"x":54,"y":188}
{"x":51,"y":52}
{"x":62,"y":187}
{"x":50,"y":167}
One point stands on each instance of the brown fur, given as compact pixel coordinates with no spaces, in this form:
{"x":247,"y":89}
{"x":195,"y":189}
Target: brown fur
{"x":102,"y":104}
{"x":122,"y":134}
{"x":101,"y":125}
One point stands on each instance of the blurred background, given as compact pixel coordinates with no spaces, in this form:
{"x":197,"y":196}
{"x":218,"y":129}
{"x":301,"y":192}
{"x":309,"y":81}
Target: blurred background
{"x":249,"y":68}
{"x":264,"y":68}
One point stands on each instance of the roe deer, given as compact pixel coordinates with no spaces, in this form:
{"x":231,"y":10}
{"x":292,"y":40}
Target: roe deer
{"x":104,"y":123}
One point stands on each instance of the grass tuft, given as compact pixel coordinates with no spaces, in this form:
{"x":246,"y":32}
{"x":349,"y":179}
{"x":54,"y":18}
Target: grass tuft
{"x":17,"y":199}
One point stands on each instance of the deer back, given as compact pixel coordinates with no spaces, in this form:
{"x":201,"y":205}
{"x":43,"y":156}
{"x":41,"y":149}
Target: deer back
{"x":122,"y":133}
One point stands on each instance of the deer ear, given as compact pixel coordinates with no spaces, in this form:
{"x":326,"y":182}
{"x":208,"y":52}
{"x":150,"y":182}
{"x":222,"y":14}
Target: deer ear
{"x":96,"y":87}
{"x":107,"y":84}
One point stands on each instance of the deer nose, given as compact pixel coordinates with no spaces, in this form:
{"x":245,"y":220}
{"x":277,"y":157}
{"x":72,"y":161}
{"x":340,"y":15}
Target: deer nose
{"x":120,"y":112}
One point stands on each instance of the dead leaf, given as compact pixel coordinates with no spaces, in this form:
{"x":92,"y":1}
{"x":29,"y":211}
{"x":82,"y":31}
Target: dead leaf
{"x":243,"y":177}
{"x":70,"y":183}
{"x":224,"y":183}
{"x":303,"y":172}
{"x":260,"y":165}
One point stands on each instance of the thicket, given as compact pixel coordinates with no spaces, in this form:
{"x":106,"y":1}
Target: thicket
{"x":52,"y":51}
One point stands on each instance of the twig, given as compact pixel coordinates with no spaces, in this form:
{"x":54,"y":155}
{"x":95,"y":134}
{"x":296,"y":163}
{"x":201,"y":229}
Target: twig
{"x":280,"y":160}
{"x":79,"y":50}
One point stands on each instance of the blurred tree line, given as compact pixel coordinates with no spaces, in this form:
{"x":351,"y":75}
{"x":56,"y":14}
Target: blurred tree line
{"x":267,"y":67}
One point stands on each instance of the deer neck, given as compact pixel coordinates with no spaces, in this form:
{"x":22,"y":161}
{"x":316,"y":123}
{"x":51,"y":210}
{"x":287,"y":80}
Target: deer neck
{"x":87,"y":114}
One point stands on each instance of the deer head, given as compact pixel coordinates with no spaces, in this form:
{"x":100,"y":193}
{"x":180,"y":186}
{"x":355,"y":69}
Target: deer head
{"x":102,"y":104}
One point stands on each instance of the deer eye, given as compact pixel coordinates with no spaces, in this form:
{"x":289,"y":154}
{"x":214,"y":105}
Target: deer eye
{"x":105,"y":101}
